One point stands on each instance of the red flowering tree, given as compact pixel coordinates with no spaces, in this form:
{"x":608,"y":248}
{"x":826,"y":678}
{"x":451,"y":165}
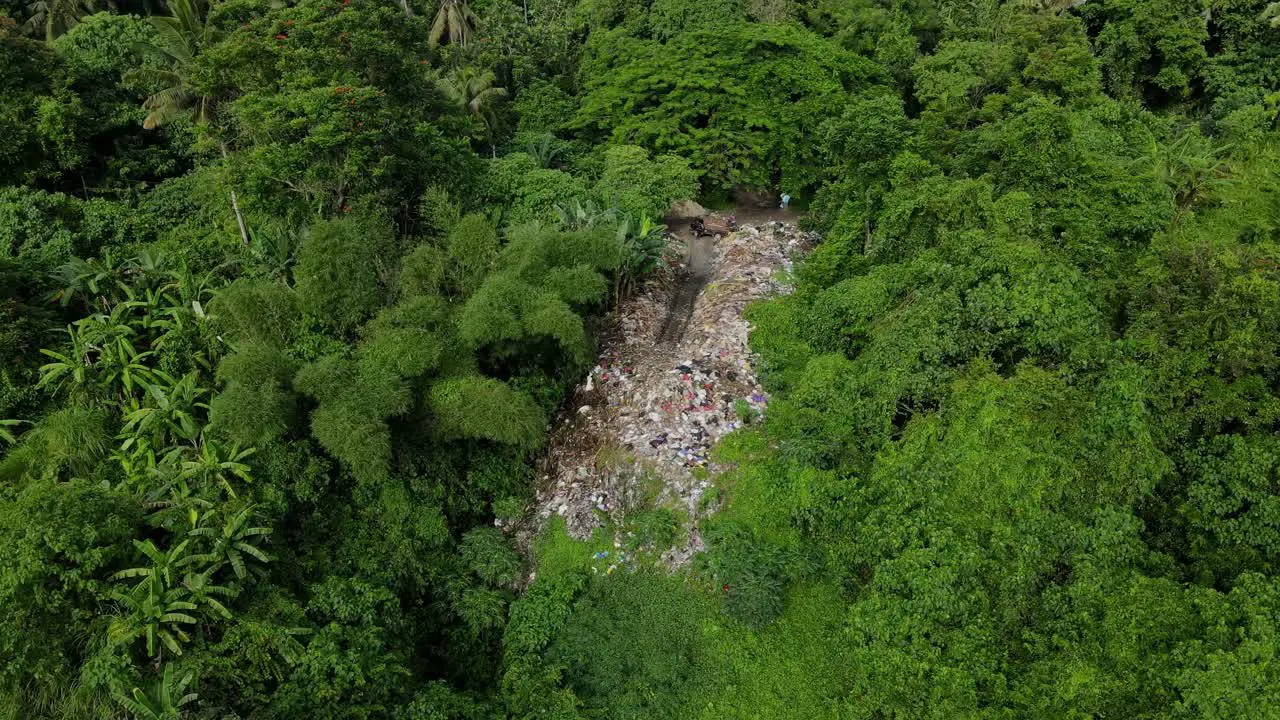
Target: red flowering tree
{"x":333,"y":103}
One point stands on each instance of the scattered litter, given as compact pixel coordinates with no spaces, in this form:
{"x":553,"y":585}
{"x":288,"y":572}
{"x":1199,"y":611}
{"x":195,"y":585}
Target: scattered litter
{"x":646,"y":418}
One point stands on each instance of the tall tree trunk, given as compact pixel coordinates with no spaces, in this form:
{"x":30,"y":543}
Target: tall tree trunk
{"x":235,"y":204}
{"x":408,"y":12}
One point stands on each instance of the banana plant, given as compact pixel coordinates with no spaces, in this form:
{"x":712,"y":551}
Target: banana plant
{"x":101,"y":278}
{"x":543,"y":148}
{"x":165,"y":699}
{"x":643,"y":245}
{"x":189,"y":287}
{"x":122,"y":366}
{"x":274,"y":244}
{"x":164,"y":564}
{"x":204,"y":593}
{"x":7,"y":435}
{"x":188,"y":292}
{"x":171,"y":413}
{"x":218,"y":464}
{"x":119,"y":360}
{"x":168,"y":477}
{"x":139,"y":464}
{"x":159,"y":316}
{"x":155,"y":612}
{"x":174,"y":506}
{"x":72,"y":370}
{"x":148,"y":262}
{"x":231,"y":542}
{"x":102,"y":355}
{"x":579,"y":214}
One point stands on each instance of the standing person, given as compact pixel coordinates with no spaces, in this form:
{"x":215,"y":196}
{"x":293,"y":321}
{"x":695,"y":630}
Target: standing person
{"x":786,"y":200}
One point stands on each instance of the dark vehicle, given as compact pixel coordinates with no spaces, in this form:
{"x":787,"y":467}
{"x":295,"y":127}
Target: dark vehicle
{"x":714,"y":225}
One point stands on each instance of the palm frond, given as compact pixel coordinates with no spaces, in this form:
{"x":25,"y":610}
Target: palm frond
{"x":172,"y":38}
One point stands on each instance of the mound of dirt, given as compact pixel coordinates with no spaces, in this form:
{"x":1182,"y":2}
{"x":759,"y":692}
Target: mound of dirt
{"x":687,"y":210}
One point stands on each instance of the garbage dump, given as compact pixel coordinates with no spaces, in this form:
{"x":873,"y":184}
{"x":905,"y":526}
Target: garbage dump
{"x":639,"y":430}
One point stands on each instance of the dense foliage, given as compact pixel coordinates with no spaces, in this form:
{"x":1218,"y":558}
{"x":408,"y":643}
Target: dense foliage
{"x":290,"y":291}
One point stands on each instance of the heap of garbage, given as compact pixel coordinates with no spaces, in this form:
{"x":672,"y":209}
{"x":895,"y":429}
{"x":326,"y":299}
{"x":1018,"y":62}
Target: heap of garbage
{"x":640,"y":428}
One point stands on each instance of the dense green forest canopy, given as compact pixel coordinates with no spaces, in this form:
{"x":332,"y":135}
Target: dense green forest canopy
{"x":291,"y":290}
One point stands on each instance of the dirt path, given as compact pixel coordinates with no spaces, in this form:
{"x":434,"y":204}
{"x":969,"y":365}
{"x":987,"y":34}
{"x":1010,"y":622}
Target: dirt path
{"x":690,"y":281}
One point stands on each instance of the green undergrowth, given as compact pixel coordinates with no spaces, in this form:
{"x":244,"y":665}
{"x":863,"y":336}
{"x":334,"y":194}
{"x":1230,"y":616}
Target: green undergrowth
{"x":628,"y":639}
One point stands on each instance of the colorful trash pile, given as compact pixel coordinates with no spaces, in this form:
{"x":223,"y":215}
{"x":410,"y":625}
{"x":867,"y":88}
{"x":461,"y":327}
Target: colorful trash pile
{"x":642,"y":426}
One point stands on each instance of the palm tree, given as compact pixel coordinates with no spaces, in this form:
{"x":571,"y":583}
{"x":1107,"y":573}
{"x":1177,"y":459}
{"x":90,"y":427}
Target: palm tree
{"x":165,"y":699}
{"x":233,"y":541}
{"x":455,"y":21}
{"x":57,"y":16}
{"x":473,"y":91}
{"x":180,"y":38}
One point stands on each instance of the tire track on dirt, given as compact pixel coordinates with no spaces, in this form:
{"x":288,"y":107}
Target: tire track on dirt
{"x":691,"y":282}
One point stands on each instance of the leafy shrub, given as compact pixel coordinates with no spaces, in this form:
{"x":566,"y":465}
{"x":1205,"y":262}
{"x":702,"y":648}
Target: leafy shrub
{"x":656,"y":529}
{"x":49,"y":229}
{"x":488,"y":554}
{"x":754,"y":573}
{"x":632,"y":647}
{"x":529,"y":299}
{"x":644,"y":187}
{"x":409,"y":339}
{"x":423,"y":271}
{"x":257,"y":311}
{"x":670,"y":18}
{"x":530,"y":192}
{"x":484,"y":408}
{"x":711,"y":96}
{"x":103,"y":47}
{"x":342,"y":270}
{"x":355,"y":402}
{"x":439,"y":211}
{"x":472,"y":248}
{"x":62,"y":539}
{"x":256,"y":404}
{"x":542,"y":107}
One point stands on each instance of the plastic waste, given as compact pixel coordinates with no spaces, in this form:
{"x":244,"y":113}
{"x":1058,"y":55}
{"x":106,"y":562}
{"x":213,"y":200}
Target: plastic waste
{"x":647,"y":418}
